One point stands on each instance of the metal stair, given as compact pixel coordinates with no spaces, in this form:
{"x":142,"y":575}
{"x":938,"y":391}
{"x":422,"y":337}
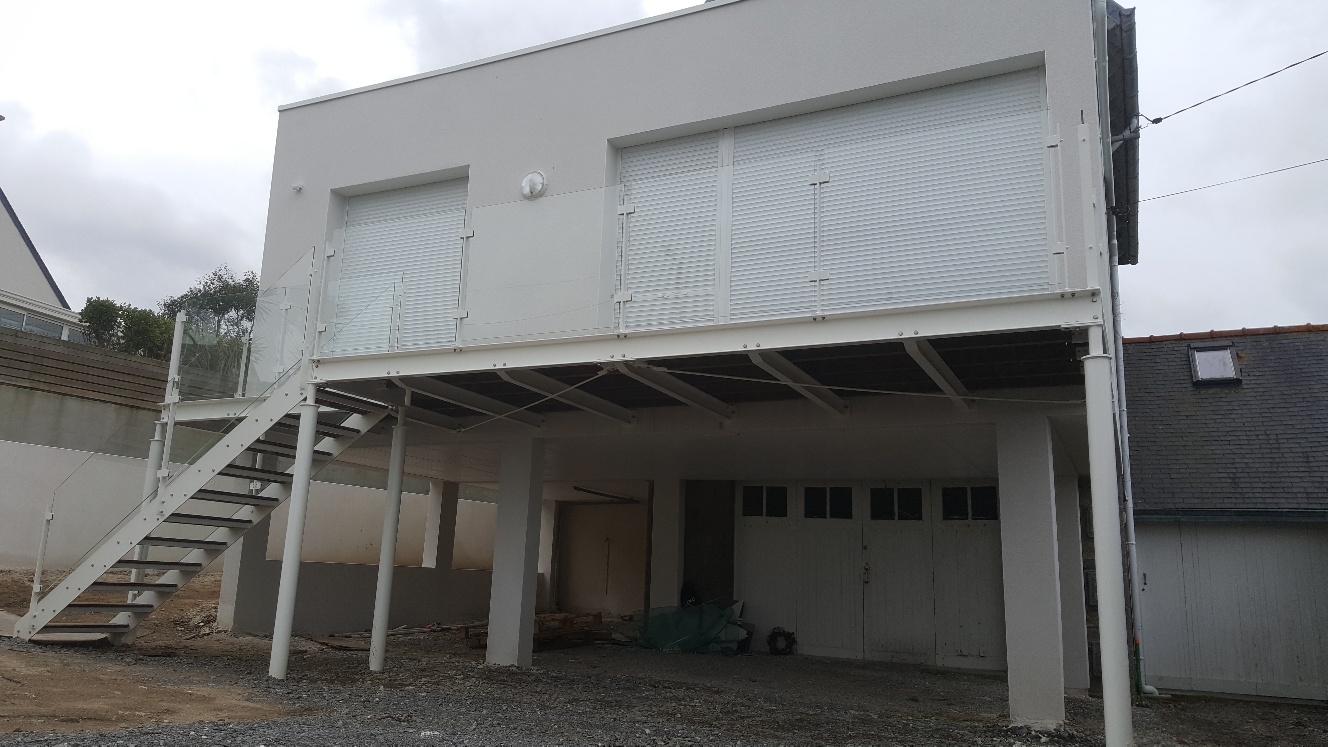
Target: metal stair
{"x":89,"y":598}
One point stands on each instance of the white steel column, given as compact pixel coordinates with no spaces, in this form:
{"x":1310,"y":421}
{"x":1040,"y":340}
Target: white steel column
{"x":516,"y":553}
{"x":1074,"y":612}
{"x":290,"y":556}
{"x":1112,"y":630}
{"x":1030,"y":572}
{"x":666,"y":555}
{"x":387,"y":550}
{"x":156,"y":449}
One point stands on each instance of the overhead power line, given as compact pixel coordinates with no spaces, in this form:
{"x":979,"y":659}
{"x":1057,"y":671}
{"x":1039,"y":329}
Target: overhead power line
{"x":1233,"y":181}
{"x":1159,"y":120}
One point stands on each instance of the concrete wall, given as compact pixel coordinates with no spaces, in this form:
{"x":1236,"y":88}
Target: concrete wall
{"x":345,"y":525}
{"x":565,"y":110}
{"x":473,"y":548}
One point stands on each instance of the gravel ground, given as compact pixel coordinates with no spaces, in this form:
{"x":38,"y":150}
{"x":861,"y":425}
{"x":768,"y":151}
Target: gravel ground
{"x":436,"y":693}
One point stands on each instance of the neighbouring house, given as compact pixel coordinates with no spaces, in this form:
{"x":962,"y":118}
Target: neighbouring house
{"x":1229,"y":449}
{"x":29,"y":298}
{"x":809,"y":305}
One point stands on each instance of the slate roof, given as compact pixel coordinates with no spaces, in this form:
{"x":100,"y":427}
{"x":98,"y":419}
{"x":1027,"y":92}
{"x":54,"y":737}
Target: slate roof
{"x":1257,"y":450}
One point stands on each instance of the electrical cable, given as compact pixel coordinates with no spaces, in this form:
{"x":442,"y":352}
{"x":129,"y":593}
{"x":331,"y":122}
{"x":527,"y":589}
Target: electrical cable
{"x":509,"y":413}
{"x":1233,"y":181}
{"x":1159,"y":120}
{"x":862,"y":390}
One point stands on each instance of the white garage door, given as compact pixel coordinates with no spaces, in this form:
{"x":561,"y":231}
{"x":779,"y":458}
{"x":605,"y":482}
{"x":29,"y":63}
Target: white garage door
{"x":905,"y":573}
{"x":1237,"y":608}
{"x":398,"y":276}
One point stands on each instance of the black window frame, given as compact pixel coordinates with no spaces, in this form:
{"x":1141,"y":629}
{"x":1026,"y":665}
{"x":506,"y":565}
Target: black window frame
{"x":1196,"y":348}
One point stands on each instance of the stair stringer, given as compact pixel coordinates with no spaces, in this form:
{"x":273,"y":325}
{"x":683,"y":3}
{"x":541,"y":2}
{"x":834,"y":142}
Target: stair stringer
{"x":152,"y":512}
{"x":280,"y":491}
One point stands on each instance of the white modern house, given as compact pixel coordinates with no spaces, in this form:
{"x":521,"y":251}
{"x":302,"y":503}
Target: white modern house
{"x":826,"y":289}
{"x":30,"y":300}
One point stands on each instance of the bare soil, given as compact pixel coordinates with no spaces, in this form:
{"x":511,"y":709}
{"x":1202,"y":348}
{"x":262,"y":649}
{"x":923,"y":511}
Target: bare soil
{"x":184,"y":681}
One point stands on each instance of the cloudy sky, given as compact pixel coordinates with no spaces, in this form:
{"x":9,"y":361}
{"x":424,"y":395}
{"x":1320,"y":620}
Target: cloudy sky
{"x":138,"y":142}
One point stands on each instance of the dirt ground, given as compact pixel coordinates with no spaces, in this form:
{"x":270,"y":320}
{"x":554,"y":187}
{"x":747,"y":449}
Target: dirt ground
{"x":183,"y":682}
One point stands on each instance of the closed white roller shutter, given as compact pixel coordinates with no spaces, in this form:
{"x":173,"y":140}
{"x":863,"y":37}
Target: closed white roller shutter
{"x":667,"y":263}
{"x":937,"y":195}
{"x":400,"y":270}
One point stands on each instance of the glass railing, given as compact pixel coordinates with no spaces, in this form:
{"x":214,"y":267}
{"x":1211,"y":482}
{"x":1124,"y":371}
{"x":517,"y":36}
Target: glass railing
{"x":365,"y":323}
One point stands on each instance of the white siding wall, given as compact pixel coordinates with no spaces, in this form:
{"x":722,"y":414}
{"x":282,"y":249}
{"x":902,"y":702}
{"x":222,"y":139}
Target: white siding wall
{"x":1237,"y":608}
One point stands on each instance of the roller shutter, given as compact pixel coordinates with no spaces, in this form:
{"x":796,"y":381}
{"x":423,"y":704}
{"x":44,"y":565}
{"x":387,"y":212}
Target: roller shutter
{"x":666,"y":252}
{"x":400,"y":270}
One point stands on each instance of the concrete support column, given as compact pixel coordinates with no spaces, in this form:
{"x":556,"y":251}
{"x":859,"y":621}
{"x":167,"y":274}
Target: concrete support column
{"x":1031,"y":572}
{"x":1098,"y":376}
{"x":516,"y":552}
{"x":247,"y":584}
{"x":440,"y":525}
{"x":387,"y":549}
{"x":290,"y":556}
{"x":1074,"y":610}
{"x":666,"y":556}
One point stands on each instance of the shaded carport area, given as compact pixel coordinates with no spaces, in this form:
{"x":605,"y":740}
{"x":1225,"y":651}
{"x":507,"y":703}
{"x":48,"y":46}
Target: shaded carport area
{"x":956,"y":419}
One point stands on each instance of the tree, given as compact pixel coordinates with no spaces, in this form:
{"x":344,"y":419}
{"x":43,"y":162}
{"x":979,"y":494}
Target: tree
{"x":220,"y":307}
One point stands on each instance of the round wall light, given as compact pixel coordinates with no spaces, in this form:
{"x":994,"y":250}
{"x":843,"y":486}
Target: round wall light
{"x":534,"y":185}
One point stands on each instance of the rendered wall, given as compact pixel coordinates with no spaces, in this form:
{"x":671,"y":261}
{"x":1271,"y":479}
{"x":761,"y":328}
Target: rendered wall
{"x":658,"y":80}
{"x":601,"y":557}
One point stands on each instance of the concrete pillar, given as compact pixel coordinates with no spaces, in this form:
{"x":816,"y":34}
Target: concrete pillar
{"x":516,"y":552}
{"x":290,"y":556}
{"x":440,"y":525}
{"x":387,"y":549}
{"x":666,"y":555}
{"x":1031,"y":572}
{"x":248,"y":586}
{"x":547,"y":552}
{"x":1098,"y":377}
{"x":1074,"y":610}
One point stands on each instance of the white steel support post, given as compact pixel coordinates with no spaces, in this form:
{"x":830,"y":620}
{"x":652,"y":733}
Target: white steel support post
{"x":516,"y":553}
{"x":387,"y":550}
{"x":1030,"y":564}
{"x":290,"y":556}
{"x":156,"y":449}
{"x":1098,"y":374}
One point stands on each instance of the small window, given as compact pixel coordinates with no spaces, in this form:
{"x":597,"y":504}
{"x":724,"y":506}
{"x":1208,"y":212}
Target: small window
{"x":765,"y":500}
{"x":954,"y":504}
{"x":882,"y":504}
{"x":841,"y":503}
{"x":910,"y":504}
{"x":11,"y":319}
{"x":1214,"y":364}
{"x":980,"y":503}
{"x":44,"y":327}
{"x":753,"y":500}
{"x":814,"y":503}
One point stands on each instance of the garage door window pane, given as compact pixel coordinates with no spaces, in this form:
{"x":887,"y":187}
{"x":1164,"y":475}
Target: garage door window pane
{"x":882,"y":504}
{"x":776,"y":501}
{"x":954,"y":504}
{"x":814,"y":503}
{"x":910,"y":504}
{"x":841,"y":503}
{"x":752,"y":500}
{"x":986,"y":505}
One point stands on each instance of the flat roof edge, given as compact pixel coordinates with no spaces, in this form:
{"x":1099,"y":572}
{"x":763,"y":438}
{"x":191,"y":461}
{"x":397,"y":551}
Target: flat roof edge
{"x":704,"y":6}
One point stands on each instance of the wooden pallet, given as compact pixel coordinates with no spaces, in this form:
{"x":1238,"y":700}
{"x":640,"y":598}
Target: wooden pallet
{"x":551,"y":630}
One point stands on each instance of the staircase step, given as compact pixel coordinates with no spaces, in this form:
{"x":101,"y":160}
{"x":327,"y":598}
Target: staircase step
{"x":292,"y":423}
{"x":196,"y":544}
{"x":225,"y":496}
{"x":133,"y":586}
{"x":254,"y":473}
{"x":158,"y":565}
{"x":84,"y":628}
{"x":108,"y":607}
{"x":208,"y":521}
{"x":282,"y":450}
{"x":348,"y":403}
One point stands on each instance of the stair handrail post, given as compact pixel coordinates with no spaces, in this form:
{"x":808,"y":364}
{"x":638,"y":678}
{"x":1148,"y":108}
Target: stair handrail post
{"x":387,"y":549}
{"x":41,"y":556}
{"x":172,"y":398}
